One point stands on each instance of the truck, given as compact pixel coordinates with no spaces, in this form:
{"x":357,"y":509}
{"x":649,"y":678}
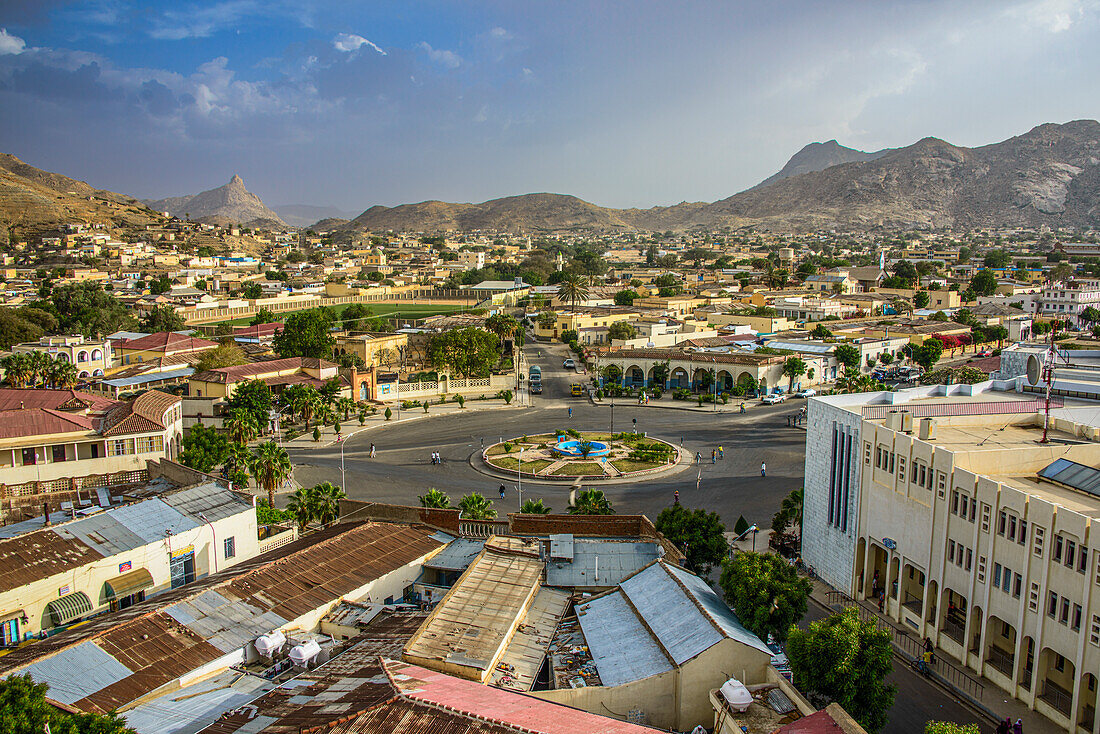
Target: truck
{"x":536,"y":373}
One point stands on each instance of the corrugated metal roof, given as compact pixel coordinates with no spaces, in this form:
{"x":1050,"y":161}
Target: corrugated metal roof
{"x":73,"y":673}
{"x":1072,"y":474}
{"x":150,"y":519}
{"x":457,"y":556}
{"x":561,"y":545}
{"x":716,"y":609}
{"x":39,"y":555}
{"x":227,"y":624}
{"x":149,"y":377}
{"x":210,"y":499}
{"x":622,"y":648}
{"x":613,"y":559}
{"x":679,"y":625}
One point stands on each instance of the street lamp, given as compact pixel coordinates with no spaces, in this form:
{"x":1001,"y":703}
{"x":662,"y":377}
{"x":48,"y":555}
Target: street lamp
{"x":519,"y":479}
{"x":340,"y":440}
{"x":714,"y":361}
{"x":753,"y":529}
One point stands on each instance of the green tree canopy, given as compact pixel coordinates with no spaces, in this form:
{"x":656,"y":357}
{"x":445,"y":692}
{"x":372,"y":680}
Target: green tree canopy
{"x":697,"y":533}
{"x":950,"y":727}
{"x":928,"y":354}
{"x":625,"y":298}
{"x":920,"y":299}
{"x":847,"y":660}
{"x":591,"y":502}
{"x":254,"y":398}
{"x":820,"y":332}
{"x":263,"y":316}
{"x":469,"y":352}
{"x":435,"y":499}
{"x":621,"y":330}
{"x":765,"y":592}
{"x":305,"y":334}
{"x":271,"y":467}
{"x":475,"y":506}
{"x":24,"y":710}
{"x":997,"y":259}
{"x":534,"y":507}
{"x":252,"y":291}
{"x":984,"y":283}
{"x":87,"y":309}
{"x":224,"y":355}
{"x":847,"y":355}
{"x":204,"y":448}
{"x":794,"y":367}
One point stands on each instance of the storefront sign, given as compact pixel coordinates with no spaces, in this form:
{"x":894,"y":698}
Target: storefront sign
{"x":123,"y":567}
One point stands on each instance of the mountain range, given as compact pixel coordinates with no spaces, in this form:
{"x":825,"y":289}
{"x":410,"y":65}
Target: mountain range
{"x":228,"y":204}
{"x":1050,"y":175}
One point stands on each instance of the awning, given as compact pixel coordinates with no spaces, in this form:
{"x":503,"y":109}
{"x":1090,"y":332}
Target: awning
{"x":69,"y":607}
{"x":129,"y":583}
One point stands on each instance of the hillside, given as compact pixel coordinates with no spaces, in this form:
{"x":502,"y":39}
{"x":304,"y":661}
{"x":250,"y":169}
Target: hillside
{"x":817,"y":157}
{"x":33,"y":201}
{"x":305,"y":215}
{"x":1049,"y":175}
{"x":232,"y":203}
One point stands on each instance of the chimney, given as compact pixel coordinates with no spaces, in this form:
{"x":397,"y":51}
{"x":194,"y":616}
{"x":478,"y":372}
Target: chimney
{"x":22,"y":405}
{"x":46,"y":511}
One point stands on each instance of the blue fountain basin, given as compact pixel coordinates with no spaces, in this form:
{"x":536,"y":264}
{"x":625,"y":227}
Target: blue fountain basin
{"x":571,"y":448}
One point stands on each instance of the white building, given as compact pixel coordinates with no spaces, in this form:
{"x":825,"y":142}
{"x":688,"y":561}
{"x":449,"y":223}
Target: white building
{"x":91,"y":357}
{"x":1068,"y":300}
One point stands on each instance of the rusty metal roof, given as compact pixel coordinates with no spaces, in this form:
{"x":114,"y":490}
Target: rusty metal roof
{"x":38,"y":555}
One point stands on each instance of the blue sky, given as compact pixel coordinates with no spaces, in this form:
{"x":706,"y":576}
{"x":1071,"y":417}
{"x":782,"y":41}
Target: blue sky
{"x":623,"y":104}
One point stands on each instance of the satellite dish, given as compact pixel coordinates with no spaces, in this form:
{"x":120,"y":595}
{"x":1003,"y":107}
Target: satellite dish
{"x":1034,"y":369}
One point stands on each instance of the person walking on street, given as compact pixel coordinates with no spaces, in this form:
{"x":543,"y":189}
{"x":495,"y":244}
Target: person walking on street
{"x":1018,"y":727}
{"x":720,"y":452}
{"x":372,"y":450}
{"x":502,"y":490}
{"x":676,"y":497}
{"x":742,"y":407}
{"x":698,"y":457}
{"x":570,"y":412}
{"x":1005,"y":727}
{"x":763,"y":469}
{"x":713,"y":455}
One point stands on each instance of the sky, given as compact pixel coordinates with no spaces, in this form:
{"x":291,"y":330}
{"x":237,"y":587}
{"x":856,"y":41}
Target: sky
{"x":624,"y":104}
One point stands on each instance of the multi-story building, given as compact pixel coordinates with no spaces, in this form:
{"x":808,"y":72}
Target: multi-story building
{"x":91,"y":357}
{"x":161,"y":344}
{"x":50,"y":435}
{"x":944,"y":504}
{"x":1068,"y":300}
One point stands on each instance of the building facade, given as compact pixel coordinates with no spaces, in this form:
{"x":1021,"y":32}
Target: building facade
{"x":91,"y":357}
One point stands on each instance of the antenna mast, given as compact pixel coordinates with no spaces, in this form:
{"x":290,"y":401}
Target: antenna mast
{"x":1048,"y":375}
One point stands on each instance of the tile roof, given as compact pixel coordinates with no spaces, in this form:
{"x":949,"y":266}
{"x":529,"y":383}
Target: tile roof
{"x":229,"y":375}
{"x":143,"y":414}
{"x":41,"y":422}
{"x":164,"y":341}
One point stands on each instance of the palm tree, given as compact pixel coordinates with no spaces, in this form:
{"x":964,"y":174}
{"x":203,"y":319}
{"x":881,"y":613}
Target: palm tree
{"x":17,"y":369}
{"x":591,"y":502}
{"x":792,"y":507}
{"x":61,"y":374}
{"x":586,"y":448}
{"x":271,"y":467}
{"x":346,"y":405}
{"x":241,"y":427}
{"x":534,"y":507}
{"x":328,"y":502}
{"x":435,"y":499}
{"x":572,"y":289}
{"x":303,"y":506}
{"x":474,"y":506}
{"x":39,"y":365}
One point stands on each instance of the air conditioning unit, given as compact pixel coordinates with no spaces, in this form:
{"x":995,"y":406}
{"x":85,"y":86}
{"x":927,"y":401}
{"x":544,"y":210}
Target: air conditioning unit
{"x":927,"y":431}
{"x":907,"y":422}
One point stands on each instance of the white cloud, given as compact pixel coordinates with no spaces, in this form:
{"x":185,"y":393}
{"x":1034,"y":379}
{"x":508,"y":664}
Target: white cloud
{"x":349,"y":42}
{"x":1054,"y":16}
{"x":10,"y":44}
{"x":202,"y":22}
{"x":501,"y":33}
{"x":441,"y":56}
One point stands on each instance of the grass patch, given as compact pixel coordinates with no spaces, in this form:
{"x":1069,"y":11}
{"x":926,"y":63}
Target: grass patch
{"x":511,"y":464}
{"x":499,"y":449}
{"x":388,"y":309}
{"x":629,"y":465}
{"x":579,"y":468}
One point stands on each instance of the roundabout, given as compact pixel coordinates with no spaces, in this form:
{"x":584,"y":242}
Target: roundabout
{"x":569,"y":455}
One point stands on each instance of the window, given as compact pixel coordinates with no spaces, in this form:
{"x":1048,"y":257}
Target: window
{"x":57,"y":453}
{"x":923,"y":469}
{"x":941,"y":483}
{"x":986,"y":511}
{"x":969,"y":558}
{"x":1052,"y":604}
{"x":1033,"y":597}
{"x":892,"y":455}
{"x":1002,"y":522}
{"x":997,"y":575}
{"x":1058,"y":548}
{"x":148,"y":444}
{"x":901,"y":468}
{"x":1064,"y":616}
{"x":1094,"y":632}
{"x":878,"y":457}
{"x":1071,"y":548}
{"x":1022,"y":537}
{"x":1007,"y":581}
{"x":1038,"y":546}
{"x":973,"y":509}
{"x":1059,"y":663}
{"x":1082,"y":559}
{"x":1076,"y":624}
{"x":981,"y":569}
{"x":230,"y":547}
{"x":1011,"y":534}
{"x":1017,"y":585}
{"x":866,"y":452}
{"x":951,"y":551}
{"x":955,"y":502}
{"x":118,"y":447}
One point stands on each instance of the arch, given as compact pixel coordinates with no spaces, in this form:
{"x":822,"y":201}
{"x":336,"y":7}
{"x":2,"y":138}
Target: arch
{"x":746,"y":383}
{"x":1086,"y":708}
{"x":678,"y":378}
{"x":363,"y":390}
{"x":701,"y":379}
{"x":83,"y":373}
{"x":97,"y":372}
{"x":635,"y":376}
{"x":725,"y":381}
{"x":1054,"y":684}
{"x":932,"y":596}
{"x":763,"y":384}
{"x":82,"y":356}
{"x":97,"y":354}
{"x":1000,"y":652}
{"x":912,"y":589}
{"x":651,"y":378}
{"x":62,"y":357}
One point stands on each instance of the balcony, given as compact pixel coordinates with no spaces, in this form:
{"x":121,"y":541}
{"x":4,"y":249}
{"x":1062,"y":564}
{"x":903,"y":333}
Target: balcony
{"x":955,"y":629}
{"x":1057,"y":698}
{"x":1001,"y":660}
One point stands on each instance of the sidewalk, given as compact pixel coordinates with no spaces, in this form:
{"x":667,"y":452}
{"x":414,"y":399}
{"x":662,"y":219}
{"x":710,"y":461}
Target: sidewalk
{"x":993,"y":702}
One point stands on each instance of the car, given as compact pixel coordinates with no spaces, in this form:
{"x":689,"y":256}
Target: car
{"x":536,"y":388}
{"x":985,"y":353}
{"x":569,"y":363}
{"x":807,"y":393}
{"x":773,"y":398}
{"x":576,"y":390}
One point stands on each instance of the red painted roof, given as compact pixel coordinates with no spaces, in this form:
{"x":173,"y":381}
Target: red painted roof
{"x":12,"y":398}
{"x":163,"y":341}
{"x":500,"y":706}
{"x":258,"y":331}
{"x":41,"y":422}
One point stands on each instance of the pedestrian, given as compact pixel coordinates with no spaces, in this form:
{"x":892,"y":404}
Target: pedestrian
{"x":570,"y":413}
{"x":502,"y":490}
{"x":713,"y":455}
{"x":1005,"y":727}
{"x":720,"y":452}
{"x":676,"y":497}
{"x":1018,"y":727}
{"x":742,"y":407}
{"x":763,"y":469}
{"x":372,"y":450}
{"x":882,"y":602}
{"x":698,"y":457}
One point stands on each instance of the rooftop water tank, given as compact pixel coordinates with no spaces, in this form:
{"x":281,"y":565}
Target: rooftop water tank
{"x":735,"y":693}
{"x":269,"y":644}
{"x":302,"y":655}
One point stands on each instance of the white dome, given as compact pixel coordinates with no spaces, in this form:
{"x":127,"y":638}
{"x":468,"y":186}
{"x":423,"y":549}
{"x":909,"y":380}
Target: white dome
{"x":736,"y":694}
{"x":269,"y":644}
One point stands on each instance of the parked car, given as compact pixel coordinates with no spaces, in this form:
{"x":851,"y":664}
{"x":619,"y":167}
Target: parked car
{"x":569,"y":363}
{"x":773,"y":398}
{"x":985,"y":353}
{"x":807,"y":393}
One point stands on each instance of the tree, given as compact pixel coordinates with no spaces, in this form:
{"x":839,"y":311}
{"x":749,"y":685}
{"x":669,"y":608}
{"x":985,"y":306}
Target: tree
{"x":765,"y":592}
{"x":435,"y":499}
{"x":204,"y":448}
{"x":263,"y":316}
{"x":24,"y":710}
{"x":621,"y":330}
{"x":87,"y":309}
{"x":905,"y":271}
{"x":661,"y":371}
{"x":547,"y":319}
{"x":1061,"y":272}
{"x":252,"y":291}
{"x":254,"y":398}
{"x":474,"y":506}
{"x":160,"y":285}
{"x":223,"y":355}
{"x":241,"y":426}
{"x":503,"y":325}
{"x":820,"y":332}
{"x":469,"y":352}
{"x":271,"y":467}
{"x":792,"y":368}
{"x":534,"y":507}
{"x":301,"y":400}
{"x":236,"y":464}
{"x":984,"y":283}
{"x":591,"y":502}
{"x":920,"y":299}
{"x":928,"y":353}
{"x":328,"y":497}
{"x":1090,"y":315}
{"x":571,"y":289}
{"x":997,"y":259}
{"x":950,"y":727}
{"x":625,"y":298}
{"x":162,"y":318}
{"x":305,"y":334}
{"x":698,"y":533}
{"x":60,"y":374}
{"x":847,"y":660}
{"x":847,"y":355}
{"x":790,"y":513}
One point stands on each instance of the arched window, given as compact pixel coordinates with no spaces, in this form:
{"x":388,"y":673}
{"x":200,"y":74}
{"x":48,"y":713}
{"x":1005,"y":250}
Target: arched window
{"x":81,"y":356}
{"x":97,"y":354}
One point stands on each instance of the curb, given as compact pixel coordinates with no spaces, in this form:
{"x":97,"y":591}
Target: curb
{"x":484,"y":467}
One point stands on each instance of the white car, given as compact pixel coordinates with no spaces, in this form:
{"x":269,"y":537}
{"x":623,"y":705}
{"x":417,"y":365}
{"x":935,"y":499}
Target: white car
{"x":773,"y":398}
{"x":807,"y":393}
{"x":569,"y":363}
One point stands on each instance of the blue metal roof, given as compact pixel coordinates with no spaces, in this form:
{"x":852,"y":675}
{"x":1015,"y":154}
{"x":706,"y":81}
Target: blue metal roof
{"x":78,"y":671}
{"x":149,"y":377}
{"x":620,"y":645}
